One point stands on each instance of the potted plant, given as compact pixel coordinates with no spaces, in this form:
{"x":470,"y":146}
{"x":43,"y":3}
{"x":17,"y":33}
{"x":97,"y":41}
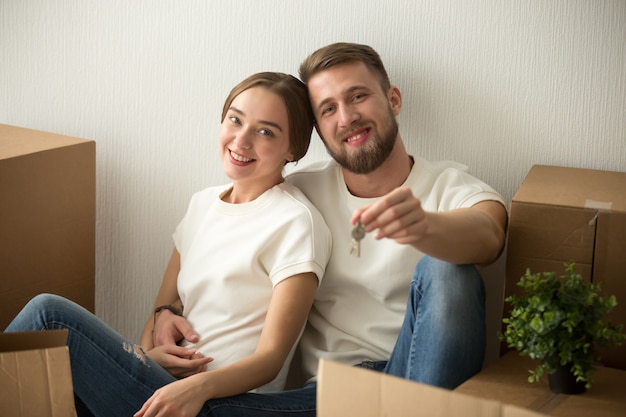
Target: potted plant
{"x":559,"y":322}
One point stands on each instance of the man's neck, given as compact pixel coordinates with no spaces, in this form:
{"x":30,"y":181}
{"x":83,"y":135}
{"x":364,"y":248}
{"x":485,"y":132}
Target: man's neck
{"x":387,"y":177}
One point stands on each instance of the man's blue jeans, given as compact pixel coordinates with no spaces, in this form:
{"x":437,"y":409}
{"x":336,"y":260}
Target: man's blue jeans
{"x":442,"y":343}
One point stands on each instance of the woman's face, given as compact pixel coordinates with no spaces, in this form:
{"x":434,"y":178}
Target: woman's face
{"x":254,"y":139}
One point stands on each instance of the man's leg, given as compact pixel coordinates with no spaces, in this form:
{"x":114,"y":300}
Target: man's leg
{"x":111,"y":376}
{"x":298,"y":402}
{"x":442,"y":340}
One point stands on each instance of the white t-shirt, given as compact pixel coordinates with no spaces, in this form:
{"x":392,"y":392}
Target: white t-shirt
{"x":232,"y":256}
{"x":360,"y":306}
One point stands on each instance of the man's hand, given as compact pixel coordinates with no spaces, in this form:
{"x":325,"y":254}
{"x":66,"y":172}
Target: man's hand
{"x":398,"y":216}
{"x":170,"y":329}
{"x":179,"y":361}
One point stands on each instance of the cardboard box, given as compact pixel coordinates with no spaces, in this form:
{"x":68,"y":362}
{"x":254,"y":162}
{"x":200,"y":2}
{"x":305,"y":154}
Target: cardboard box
{"x":571,"y":214}
{"x":348,"y":391}
{"x":36,"y":377}
{"x":47,"y":218}
{"x":507,"y":380}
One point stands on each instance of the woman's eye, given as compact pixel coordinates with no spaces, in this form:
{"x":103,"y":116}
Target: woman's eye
{"x":266,"y":132}
{"x":234,"y":119}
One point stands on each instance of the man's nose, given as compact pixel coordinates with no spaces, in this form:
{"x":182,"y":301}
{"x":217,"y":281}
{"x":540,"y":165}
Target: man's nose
{"x":347,"y":115}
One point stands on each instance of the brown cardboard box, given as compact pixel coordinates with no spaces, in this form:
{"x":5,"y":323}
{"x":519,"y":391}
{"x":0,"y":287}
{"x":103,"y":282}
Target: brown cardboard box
{"x":47,"y":218}
{"x":36,"y":377}
{"x":571,"y":214}
{"x":507,"y":380}
{"x":349,"y":391}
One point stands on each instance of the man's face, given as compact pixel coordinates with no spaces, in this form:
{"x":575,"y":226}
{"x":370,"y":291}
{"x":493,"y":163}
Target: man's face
{"x":355,"y":118}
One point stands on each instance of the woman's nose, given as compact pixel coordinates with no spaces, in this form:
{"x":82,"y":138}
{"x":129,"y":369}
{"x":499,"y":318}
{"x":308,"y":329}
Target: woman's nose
{"x":243,"y":139}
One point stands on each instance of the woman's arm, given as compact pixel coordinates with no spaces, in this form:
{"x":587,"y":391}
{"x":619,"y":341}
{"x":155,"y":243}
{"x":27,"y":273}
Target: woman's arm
{"x":288,"y":310}
{"x":177,"y":360}
{"x":168,"y":294}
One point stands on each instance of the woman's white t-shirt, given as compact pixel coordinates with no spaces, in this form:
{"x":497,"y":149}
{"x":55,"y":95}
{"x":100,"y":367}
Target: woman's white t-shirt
{"x":232,"y":256}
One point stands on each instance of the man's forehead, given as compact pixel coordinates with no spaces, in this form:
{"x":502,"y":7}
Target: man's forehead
{"x":340,"y":79}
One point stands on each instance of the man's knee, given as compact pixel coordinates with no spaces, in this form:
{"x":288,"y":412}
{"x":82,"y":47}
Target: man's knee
{"x":446,"y":280}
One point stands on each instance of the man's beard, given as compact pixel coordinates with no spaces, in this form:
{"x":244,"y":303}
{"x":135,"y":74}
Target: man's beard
{"x":372,"y":155}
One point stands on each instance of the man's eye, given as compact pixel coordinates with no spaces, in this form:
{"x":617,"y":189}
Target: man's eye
{"x":327,"y":110}
{"x":358,"y":97}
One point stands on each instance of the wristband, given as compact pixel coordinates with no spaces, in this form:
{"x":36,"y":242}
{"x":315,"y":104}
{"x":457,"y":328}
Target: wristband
{"x":171,"y":308}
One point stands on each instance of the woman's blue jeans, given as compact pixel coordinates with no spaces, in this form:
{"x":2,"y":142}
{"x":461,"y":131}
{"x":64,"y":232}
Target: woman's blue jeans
{"x":442,"y":343}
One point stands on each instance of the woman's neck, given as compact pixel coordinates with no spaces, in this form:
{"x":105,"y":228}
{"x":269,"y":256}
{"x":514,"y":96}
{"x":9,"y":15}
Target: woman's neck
{"x":244,"y":192}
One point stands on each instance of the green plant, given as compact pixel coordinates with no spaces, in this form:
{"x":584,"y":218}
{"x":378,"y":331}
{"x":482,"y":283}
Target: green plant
{"x":559,"y":322}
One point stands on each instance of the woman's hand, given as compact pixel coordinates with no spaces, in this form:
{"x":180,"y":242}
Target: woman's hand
{"x":179,"y":361}
{"x":182,"y":398}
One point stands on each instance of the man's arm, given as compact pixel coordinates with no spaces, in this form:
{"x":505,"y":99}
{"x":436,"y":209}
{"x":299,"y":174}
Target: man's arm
{"x":473,"y":235}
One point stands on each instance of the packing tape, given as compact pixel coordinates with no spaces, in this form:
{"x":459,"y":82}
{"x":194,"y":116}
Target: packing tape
{"x":598,"y":205}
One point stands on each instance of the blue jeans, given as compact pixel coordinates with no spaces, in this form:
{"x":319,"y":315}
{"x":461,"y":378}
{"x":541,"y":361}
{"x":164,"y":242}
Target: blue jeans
{"x":442,"y":343}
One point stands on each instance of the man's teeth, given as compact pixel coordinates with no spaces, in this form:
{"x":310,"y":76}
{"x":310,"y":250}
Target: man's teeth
{"x":355,"y":137}
{"x":239,"y":158}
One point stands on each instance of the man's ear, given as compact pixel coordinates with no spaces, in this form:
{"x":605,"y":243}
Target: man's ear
{"x":317,"y":129}
{"x":395,"y":99}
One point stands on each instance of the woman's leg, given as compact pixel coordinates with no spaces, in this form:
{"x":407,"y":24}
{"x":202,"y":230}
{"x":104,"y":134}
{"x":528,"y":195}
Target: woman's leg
{"x":443,"y":337}
{"x":111,"y":376}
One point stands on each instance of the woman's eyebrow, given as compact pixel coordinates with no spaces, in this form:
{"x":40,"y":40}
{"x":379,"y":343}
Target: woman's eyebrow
{"x":265,"y":122}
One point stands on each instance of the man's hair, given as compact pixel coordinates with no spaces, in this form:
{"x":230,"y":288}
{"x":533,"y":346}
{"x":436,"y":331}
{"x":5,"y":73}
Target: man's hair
{"x":296,"y":98}
{"x":341,"y":53}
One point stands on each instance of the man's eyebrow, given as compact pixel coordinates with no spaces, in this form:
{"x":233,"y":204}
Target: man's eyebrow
{"x":343,"y":93}
{"x":264,"y":122}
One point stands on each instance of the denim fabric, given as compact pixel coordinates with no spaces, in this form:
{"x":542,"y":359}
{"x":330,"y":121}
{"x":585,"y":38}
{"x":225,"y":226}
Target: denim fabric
{"x":442,"y":342}
{"x":443,"y":337}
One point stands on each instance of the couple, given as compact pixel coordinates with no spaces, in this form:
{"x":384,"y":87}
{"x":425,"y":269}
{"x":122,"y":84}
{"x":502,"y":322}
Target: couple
{"x":253,"y":257}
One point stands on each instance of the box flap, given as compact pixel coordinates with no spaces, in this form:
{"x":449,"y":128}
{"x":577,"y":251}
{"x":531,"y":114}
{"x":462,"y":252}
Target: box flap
{"x":19,"y":341}
{"x":574,"y":187}
{"x":347,"y":391}
{"x":36,"y":381}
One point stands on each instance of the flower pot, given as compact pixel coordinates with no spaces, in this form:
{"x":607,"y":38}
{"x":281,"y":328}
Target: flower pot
{"x":563,"y":381}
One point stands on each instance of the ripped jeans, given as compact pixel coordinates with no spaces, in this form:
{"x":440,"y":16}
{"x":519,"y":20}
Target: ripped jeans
{"x":441,"y":342}
{"x":110,"y":374}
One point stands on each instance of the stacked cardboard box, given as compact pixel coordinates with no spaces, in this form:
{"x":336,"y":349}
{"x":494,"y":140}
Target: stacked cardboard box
{"x":570,"y":214}
{"x":47,"y":218}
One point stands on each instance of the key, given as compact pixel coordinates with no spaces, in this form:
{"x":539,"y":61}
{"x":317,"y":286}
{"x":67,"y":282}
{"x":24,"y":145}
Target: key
{"x":358,"y":233}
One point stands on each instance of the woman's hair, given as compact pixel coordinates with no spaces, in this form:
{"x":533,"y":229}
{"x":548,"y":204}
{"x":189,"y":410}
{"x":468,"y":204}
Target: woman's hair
{"x":296,"y":98}
{"x":341,"y":53}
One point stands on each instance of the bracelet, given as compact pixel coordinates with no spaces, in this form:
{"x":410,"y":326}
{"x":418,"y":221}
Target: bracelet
{"x":171,"y":308}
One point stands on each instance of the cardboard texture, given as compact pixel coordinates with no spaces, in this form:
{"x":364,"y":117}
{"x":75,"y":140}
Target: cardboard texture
{"x":507,"y":381}
{"x":571,"y":214}
{"x":47,"y":218}
{"x":36,"y":379}
{"x":349,"y":391}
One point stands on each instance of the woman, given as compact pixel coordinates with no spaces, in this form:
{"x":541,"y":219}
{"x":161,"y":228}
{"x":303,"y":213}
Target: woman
{"x":247,"y":261}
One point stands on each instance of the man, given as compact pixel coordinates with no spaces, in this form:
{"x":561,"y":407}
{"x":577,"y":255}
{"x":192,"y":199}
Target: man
{"x":414,"y":212}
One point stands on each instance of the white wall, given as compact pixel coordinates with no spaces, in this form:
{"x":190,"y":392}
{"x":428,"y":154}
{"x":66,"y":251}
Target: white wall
{"x":498,"y":85}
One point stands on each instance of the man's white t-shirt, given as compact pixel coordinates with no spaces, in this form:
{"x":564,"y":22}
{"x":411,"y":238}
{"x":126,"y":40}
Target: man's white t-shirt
{"x":232,"y":256}
{"x":360,"y":305}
